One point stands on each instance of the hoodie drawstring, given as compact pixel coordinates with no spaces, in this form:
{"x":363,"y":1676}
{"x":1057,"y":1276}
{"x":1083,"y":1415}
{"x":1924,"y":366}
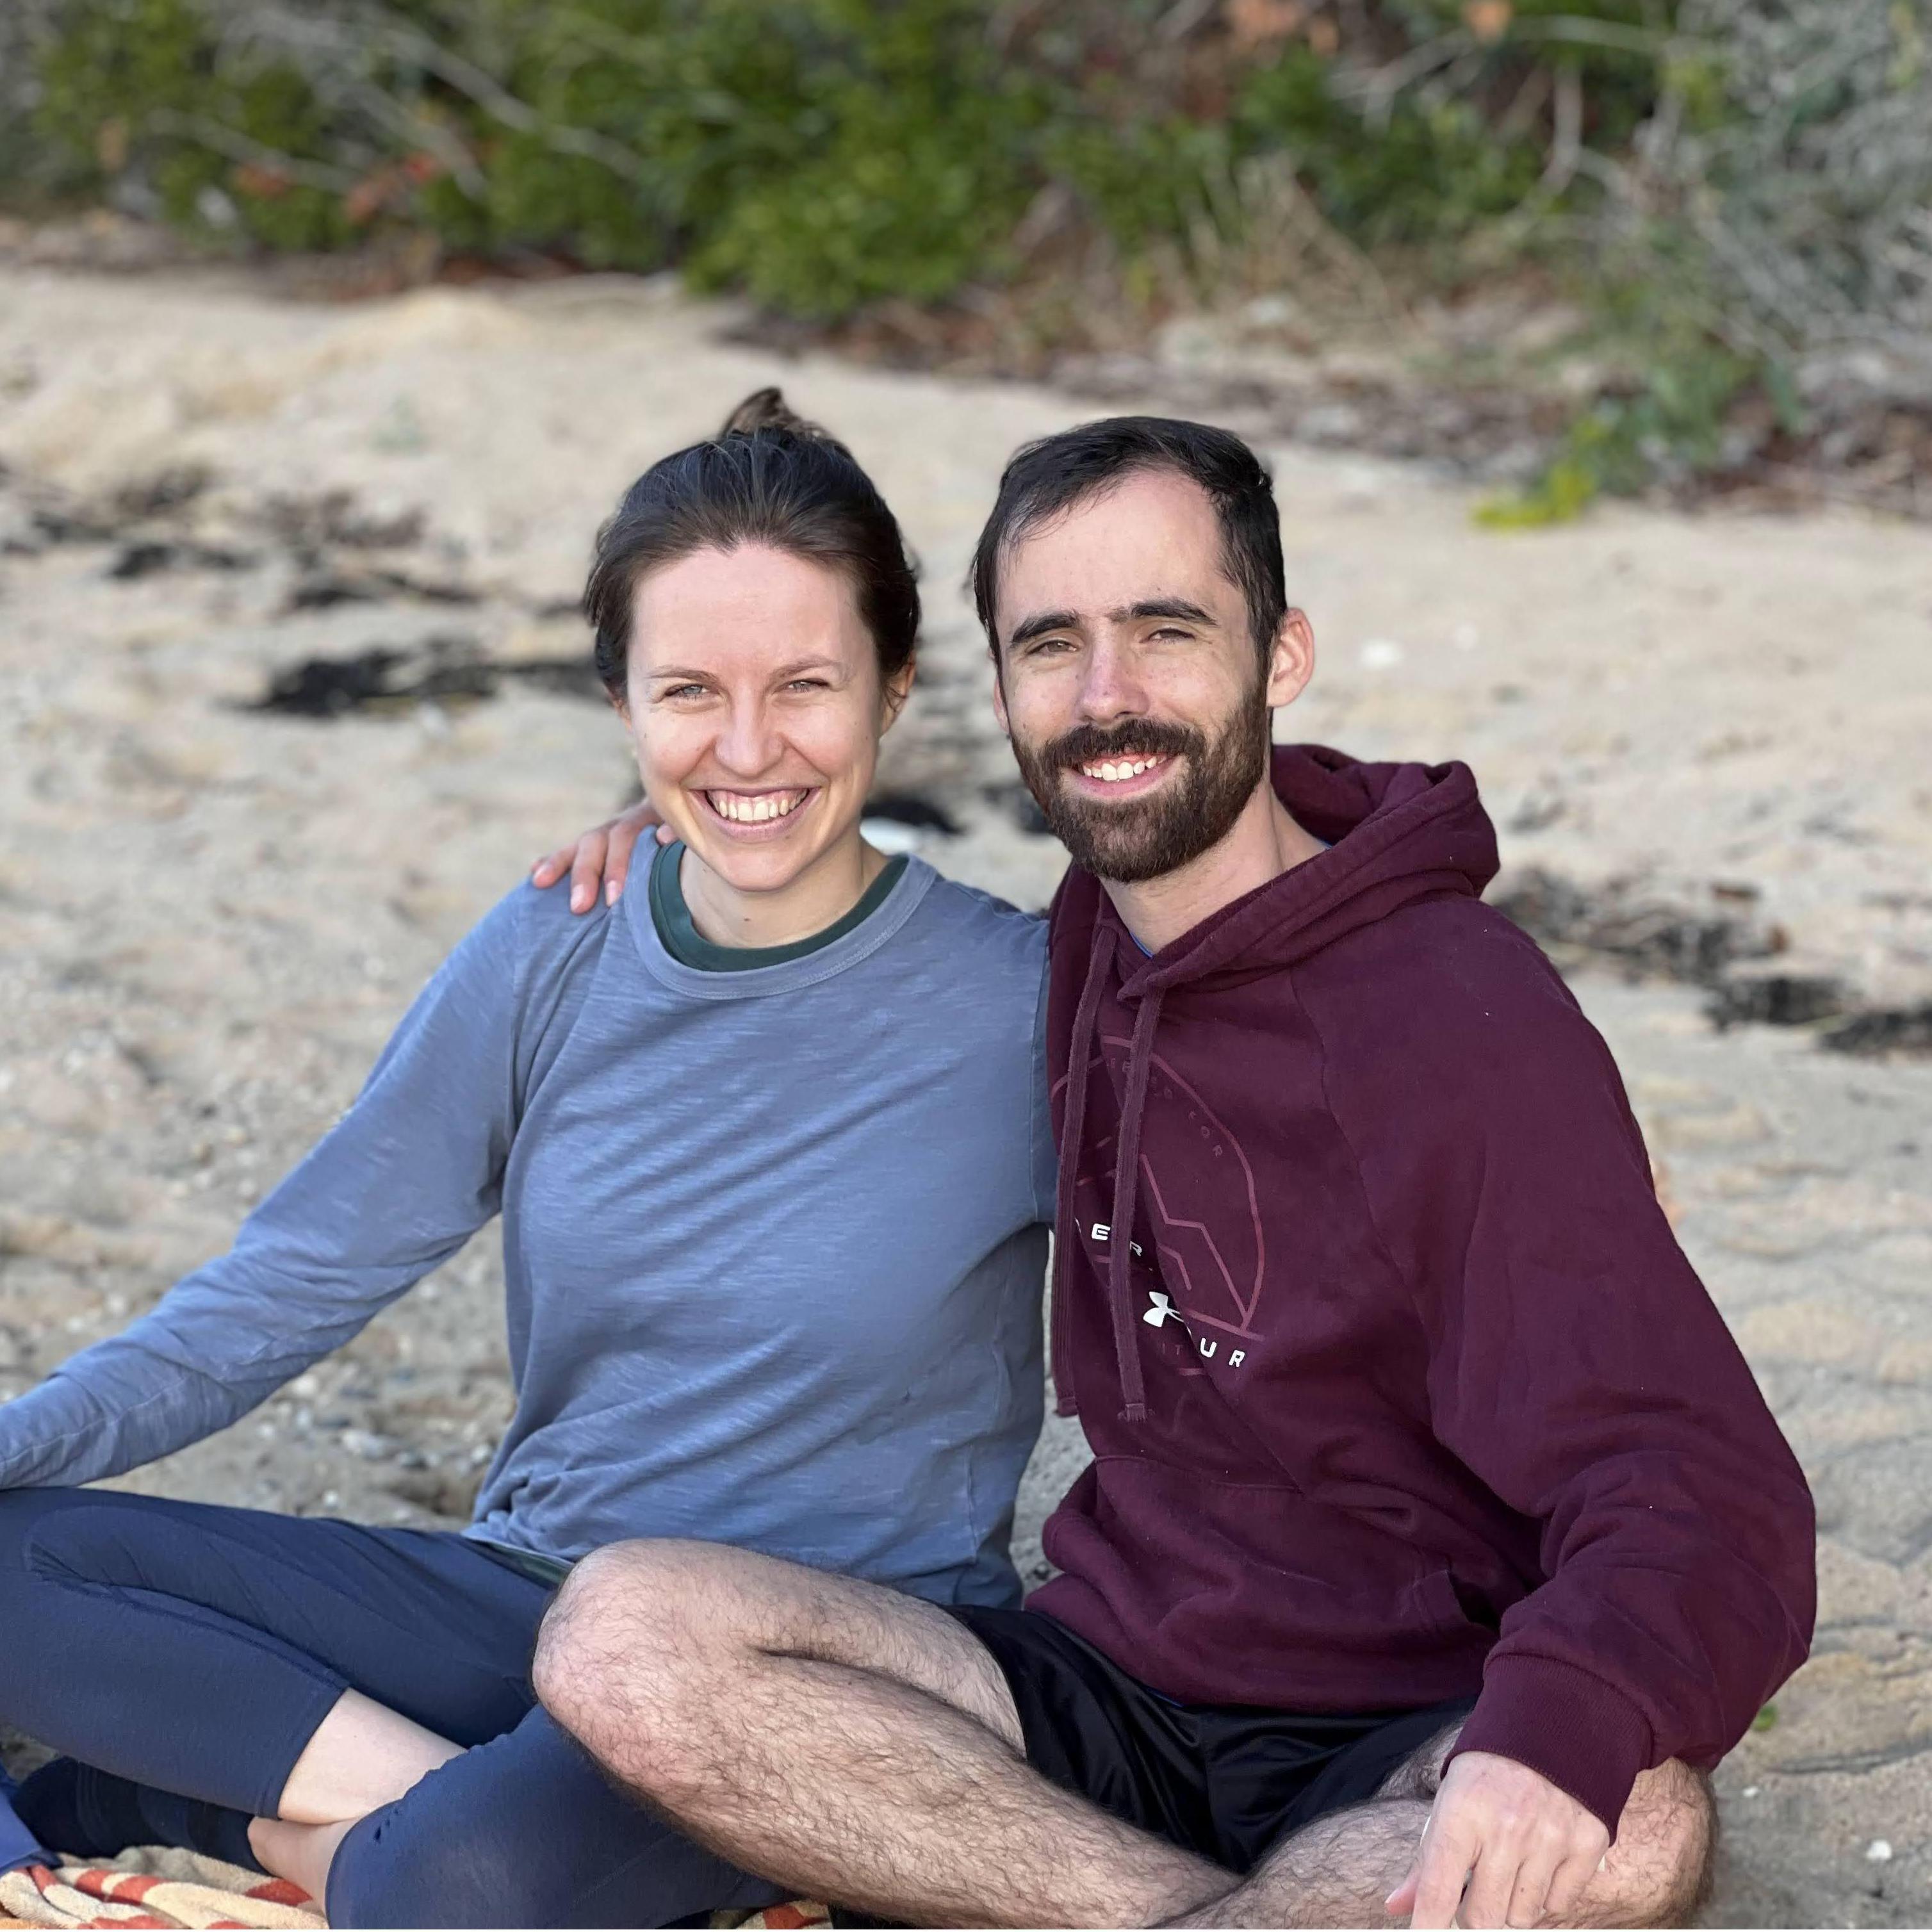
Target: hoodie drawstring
{"x":1127,"y":1188}
{"x":1100,"y":960}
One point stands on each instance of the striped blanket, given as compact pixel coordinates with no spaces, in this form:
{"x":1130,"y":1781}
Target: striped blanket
{"x":157,"y":1886}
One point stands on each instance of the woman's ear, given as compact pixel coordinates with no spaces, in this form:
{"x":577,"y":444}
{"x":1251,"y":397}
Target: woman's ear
{"x":892,"y":698}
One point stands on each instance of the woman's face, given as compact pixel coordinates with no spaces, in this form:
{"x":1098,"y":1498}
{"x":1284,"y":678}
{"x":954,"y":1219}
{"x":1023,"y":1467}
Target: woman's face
{"x":755,"y":699}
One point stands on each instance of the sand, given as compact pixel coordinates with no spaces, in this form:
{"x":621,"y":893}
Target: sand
{"x":210,"y":917}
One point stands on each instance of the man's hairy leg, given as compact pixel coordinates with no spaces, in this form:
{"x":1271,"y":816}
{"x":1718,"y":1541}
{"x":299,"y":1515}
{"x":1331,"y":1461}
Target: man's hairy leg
{"x":839,"y":1738}
{"x":1339,"y":1869}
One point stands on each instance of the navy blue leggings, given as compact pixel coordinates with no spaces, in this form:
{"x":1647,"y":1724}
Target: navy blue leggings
{"x":195,"y":1649}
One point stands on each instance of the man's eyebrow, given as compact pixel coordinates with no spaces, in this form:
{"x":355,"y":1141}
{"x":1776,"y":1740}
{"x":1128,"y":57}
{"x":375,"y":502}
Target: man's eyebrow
{"x":1160,"y":607}
{"x":1041,"y":622}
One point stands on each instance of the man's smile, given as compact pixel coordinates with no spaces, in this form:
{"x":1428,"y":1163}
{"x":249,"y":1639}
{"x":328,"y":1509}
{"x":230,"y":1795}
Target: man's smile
{"x":1124,"y":776}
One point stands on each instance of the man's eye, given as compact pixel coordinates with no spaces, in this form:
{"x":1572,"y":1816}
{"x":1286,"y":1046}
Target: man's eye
{"x":1042,"y":647}
{"x":684,"y":690}
{"x":1171,"y":631}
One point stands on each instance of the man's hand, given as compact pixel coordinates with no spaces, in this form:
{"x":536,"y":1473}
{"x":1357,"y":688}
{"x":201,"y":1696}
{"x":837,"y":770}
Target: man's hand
{"x":1526,"y":1849}
{"x":603,"y":855}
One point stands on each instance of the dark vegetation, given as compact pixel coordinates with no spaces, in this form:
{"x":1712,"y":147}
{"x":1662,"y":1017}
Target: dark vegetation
{"x":1733,"y":196}
{"x":1737,"y":959}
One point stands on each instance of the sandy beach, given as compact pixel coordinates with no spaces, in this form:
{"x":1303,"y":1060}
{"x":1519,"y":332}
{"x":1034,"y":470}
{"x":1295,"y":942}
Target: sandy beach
{"x":1704,"y":741}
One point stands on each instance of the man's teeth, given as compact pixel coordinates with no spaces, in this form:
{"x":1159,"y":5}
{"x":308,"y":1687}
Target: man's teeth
{"x":1113,"y":770}
{"x":755,"y":808}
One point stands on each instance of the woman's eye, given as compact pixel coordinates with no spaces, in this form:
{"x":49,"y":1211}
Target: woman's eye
{"x":807,"y":684}
{"x":685,"y":690}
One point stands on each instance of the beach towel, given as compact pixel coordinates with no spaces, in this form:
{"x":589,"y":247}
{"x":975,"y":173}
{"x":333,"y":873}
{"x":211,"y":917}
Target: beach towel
{"x":152,"y":1885}
{"x":157,"y":1886}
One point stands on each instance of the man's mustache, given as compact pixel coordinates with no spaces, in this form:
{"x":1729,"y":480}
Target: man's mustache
{"x":1088,"y":744}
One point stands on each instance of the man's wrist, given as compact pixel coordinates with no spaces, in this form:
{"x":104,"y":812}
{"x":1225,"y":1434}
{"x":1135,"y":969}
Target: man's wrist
{"x":1566,"y":1724}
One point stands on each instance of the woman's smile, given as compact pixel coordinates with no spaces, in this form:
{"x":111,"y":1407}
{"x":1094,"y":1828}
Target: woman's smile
{"x":767,"y":813}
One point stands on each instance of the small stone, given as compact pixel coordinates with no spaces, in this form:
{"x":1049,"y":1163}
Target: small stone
{"x":1879,"y":1851}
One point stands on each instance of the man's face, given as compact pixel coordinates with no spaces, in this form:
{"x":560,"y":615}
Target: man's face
{"x":1131,"y":685}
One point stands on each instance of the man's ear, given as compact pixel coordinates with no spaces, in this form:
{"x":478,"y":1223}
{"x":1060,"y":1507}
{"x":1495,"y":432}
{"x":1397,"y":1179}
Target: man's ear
{"x":897,"y":689}
{"x":999,"y":695}
{"x":1290,"y":659}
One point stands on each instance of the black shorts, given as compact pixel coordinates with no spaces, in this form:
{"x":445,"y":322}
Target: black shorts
{"x":1225,"y":1781}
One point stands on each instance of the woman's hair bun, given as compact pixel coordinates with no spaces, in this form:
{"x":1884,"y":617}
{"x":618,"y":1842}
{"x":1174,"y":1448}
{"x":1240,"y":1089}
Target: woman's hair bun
{"x":767,"y":409}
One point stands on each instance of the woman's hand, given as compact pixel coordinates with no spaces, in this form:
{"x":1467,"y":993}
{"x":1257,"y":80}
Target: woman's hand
{"x":601,"y":856}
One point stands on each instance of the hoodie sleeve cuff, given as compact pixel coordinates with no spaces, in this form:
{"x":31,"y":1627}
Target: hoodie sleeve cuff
{"x":1583,"y":1735}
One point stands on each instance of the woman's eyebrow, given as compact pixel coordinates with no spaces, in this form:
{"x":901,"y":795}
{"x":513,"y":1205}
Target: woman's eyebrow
{"x":783,"y":671}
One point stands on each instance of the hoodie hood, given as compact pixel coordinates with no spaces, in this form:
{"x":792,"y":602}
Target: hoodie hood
{"x":1397,"y":833}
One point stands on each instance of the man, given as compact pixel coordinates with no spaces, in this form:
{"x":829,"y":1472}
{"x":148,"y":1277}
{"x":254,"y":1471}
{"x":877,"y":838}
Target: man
{"x":1437,"y":1538}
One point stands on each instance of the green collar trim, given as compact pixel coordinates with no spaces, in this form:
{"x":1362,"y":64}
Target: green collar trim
{"x":683,"y":941}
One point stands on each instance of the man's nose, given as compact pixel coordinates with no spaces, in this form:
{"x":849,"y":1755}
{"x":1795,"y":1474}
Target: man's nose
{"x":1112,"y":687}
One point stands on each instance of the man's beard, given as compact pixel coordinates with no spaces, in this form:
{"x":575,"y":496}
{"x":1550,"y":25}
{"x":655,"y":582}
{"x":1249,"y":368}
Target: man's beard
{"x":1142,"y":839}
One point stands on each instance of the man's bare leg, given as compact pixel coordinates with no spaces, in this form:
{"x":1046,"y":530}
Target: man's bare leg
{"x":861,"y":1746}
{"x":1340,"y":1870}
{"x":839,"y":1738}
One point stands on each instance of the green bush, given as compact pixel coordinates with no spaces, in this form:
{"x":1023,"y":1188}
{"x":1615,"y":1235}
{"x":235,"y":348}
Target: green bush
{"x":821,"y":155}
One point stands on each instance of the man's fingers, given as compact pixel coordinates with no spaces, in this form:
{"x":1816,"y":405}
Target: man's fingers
{"x":1567,"y":1884}
{"x":587,"y":868}
{"x":1529,"y":1898}
{"x":1440,"y":1871}
{"x":1492,"y":1885}
{"x":624,"y":834}
{"x":553,"y":865}
{"x":1401,"y":1902}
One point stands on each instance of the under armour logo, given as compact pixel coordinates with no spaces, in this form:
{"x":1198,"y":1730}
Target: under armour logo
{"x":1162,"y":1309}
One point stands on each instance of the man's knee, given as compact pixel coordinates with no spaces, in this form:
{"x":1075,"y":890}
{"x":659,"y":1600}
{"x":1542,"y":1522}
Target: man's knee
{"x":629,"y":1605}
{"x":637,"y":1634}
{"x":1658,"y":1872}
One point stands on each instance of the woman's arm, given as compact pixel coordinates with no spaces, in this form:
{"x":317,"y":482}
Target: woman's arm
{"x":401,"y":1182}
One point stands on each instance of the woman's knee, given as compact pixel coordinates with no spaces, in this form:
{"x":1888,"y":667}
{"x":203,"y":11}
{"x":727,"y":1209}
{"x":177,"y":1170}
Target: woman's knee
{"x":44,"y":1535}
{"x":404,"y":1865}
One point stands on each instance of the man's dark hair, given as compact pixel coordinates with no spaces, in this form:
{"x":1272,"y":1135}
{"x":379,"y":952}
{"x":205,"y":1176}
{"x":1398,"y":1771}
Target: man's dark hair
{"x":767,"y":477}
{"x":1052,"y":475}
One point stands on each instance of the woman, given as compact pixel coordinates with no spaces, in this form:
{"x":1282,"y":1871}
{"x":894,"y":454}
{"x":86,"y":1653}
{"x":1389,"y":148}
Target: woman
{"x":772,"y":1156}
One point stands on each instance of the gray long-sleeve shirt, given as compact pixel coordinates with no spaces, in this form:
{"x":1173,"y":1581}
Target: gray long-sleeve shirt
{"x":773,"y":1241}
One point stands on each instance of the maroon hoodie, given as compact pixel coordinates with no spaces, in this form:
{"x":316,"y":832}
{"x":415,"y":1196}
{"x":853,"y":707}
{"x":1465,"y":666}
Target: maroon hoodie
{"x":1403,"y":1390}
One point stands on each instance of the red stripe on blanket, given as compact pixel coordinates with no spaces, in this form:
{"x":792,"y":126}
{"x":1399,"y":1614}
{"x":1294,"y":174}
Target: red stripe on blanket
{"x":122,"y":1887}
{"x":281,"y":1891}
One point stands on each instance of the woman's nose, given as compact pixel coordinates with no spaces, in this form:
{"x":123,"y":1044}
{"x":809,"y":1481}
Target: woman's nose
{"x":747,"y":744}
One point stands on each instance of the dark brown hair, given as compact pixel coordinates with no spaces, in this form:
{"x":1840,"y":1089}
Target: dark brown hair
{"x":767,"y":477}
{"x":1052,"y":475}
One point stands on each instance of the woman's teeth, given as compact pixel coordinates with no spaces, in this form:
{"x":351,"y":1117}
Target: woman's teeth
{"x":755,"y":808}
{"x":1113,"y":770}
